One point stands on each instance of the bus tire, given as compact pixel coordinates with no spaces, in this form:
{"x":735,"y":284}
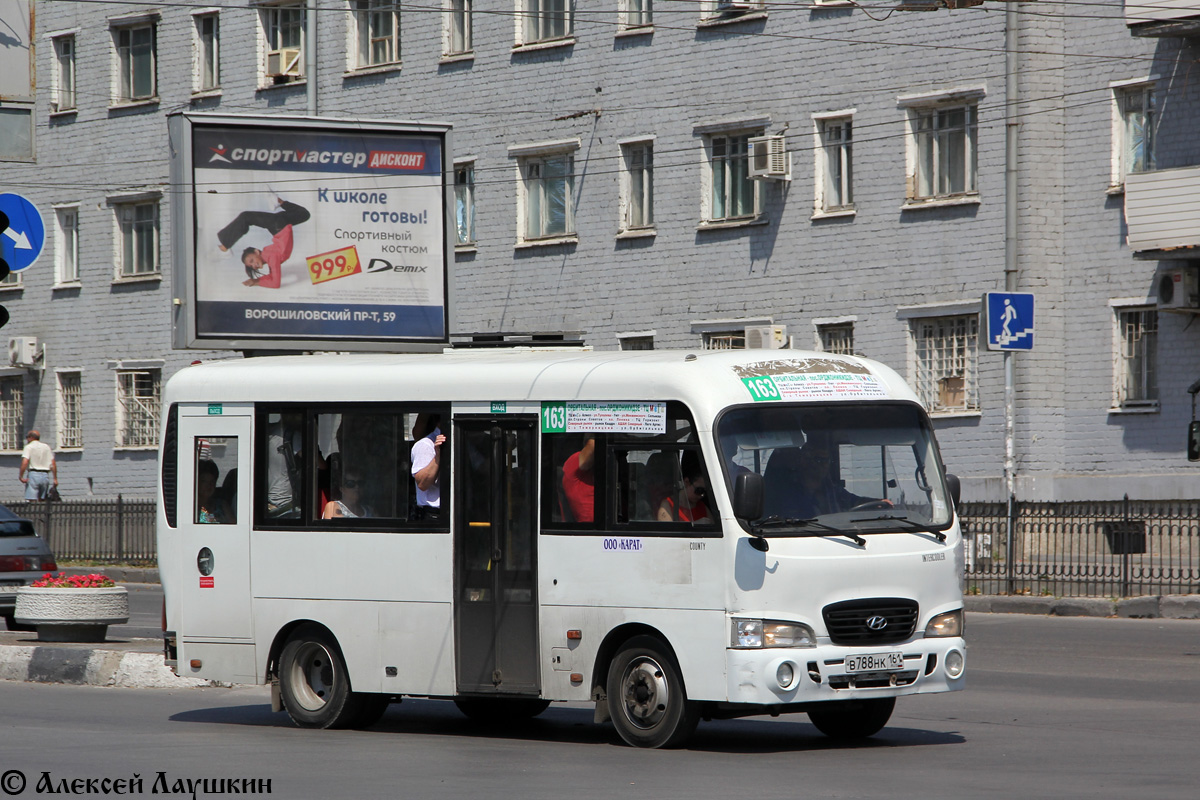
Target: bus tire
{"x":852,"y":719}
{"x":496,"y":710}
{"x":313,"y":681}
{"x":646,"y":697}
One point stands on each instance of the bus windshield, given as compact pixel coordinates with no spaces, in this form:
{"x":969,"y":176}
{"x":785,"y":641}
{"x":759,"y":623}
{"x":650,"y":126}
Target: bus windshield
{"x":838,"y":466}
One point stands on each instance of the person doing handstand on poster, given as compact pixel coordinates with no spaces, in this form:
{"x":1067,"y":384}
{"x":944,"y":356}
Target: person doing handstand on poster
{"x":279,"y":225}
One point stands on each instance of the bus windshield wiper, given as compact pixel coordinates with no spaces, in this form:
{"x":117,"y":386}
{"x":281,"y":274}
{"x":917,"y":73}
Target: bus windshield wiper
{"x":791,"y":522}
{"x":914,"y":526}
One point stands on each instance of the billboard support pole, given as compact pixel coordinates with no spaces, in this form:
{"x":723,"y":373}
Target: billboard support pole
{"x":310,"y":56}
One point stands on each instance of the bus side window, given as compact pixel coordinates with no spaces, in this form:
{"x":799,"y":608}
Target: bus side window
{"x":569,"y":477}
{"x":216,"y":480}
{"x":283,"y":445}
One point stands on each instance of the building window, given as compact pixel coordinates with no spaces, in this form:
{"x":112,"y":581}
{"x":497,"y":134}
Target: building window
{"x":64,"y":74}
{"x":138,"y":228}
{"x":136,"y":57}
{"x":11,"y":281}
{"x":945,"y":151}
{"x":66,"y":263}
{"x":714,"y":10}
{"x":458,"y":27}
{"x":208,"y":47}
{"x":548,"y":186}
{"x":947,"y":356}
{"x":16,"y":132}
{"x":283,"y":26}
{"x":378,"y":26}
{"x":837,"y":338}
{"x":637,"y":342}
{"x":638,"y":186}
{"x":835,"y":165}
{"x":70,"y":410}
{"x":12,"y":412}
{"x":464,"y":202}
{"x":1137,"y":368}
{"x":1135,"y":131}
{"x":139,"y":403}
{"x":636,"y":14}
{"x":545,"y":20}
{"x":725,"y":340}
{"x":733,"y":194}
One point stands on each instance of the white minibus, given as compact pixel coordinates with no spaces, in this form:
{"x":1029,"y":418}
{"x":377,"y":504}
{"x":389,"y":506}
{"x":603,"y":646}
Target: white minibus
{"x":671,"y":536}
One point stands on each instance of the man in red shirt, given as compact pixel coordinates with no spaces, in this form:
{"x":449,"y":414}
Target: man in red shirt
{"x":579,"y":482}
{"x":279,"y":225}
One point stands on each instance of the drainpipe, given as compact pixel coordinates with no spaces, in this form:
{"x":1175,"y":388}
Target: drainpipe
{"x":1011,"y":93}
{"x":310,"y":56}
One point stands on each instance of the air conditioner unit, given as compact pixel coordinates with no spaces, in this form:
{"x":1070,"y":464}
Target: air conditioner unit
{"x":23,"y":351}
{"x":1178,"y":289}
{"x":769,"y":158}
{"x":766,"y":337}
{"x":283,"y":63}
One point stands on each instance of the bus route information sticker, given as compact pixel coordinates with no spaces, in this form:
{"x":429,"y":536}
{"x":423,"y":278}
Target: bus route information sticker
{"x":569,"y":417}
{"x":808,"y":379}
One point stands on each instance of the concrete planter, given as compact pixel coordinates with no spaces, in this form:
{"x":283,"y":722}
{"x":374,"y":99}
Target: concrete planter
{"x":72,"y":615}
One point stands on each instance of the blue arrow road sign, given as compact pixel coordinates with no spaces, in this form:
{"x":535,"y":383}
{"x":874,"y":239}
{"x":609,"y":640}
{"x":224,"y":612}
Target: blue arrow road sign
{"x":22,"y":241}
{"x":1009,"y":320}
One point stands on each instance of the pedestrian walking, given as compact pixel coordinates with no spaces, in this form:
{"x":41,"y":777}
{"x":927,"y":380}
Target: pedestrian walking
{"x":39,"y":470}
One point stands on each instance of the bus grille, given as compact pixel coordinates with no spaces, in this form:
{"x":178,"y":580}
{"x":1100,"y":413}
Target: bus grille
{"x":847,"y":622}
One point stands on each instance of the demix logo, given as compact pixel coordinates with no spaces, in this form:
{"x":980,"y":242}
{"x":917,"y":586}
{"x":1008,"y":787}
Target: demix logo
{"x":219,"y":154}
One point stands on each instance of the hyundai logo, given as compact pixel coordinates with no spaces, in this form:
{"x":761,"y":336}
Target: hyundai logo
{"x":877,"y":623}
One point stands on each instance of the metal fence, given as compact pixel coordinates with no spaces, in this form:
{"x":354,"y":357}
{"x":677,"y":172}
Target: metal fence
{"x":1085,"y":549}
{"x":118,"y":531}
{"x":1121,"y":548}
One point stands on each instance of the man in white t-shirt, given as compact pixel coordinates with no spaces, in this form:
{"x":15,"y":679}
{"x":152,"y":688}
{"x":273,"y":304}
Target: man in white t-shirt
{"x":38,"y":467}
{"x":427,"y":465}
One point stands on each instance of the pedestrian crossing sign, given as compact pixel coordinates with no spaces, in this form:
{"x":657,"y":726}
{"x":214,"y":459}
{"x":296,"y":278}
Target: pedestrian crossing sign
{"x":1009,"y":317}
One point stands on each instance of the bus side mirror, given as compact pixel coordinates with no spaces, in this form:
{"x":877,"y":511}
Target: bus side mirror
{"x":1193,"y":446}
{"x":955,"y":487}
{"x":748,"y":496}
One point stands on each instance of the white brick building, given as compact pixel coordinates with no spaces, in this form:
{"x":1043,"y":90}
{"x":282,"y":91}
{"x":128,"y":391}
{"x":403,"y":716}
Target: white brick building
{"x":601,"y":155}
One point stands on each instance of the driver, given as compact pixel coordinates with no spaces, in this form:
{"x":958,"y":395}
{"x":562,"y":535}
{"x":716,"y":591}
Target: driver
{"x":799,"y":484}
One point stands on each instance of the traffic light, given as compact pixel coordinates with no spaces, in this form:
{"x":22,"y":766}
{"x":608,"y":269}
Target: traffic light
{"x":3,"y":266}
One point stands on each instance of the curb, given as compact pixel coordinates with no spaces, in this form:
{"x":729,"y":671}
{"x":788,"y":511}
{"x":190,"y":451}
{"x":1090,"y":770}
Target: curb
{"x":86,"y":666}
{"x":1175,"y":606}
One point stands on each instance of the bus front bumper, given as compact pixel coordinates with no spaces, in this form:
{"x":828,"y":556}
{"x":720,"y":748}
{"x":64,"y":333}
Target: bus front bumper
{"x":829,"y":672}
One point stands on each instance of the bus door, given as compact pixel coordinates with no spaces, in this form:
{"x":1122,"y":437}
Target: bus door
{"x":494,"y":542}
{"x":214,"y":521}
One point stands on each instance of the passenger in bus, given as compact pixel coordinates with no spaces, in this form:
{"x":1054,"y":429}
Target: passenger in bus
{"x":350,"y":504}
{"x":579,"y":482}
{"x":207,"y":510}
{"x":799,"y":483}
{"x":688,"y":504}
{"x":426,"y":460}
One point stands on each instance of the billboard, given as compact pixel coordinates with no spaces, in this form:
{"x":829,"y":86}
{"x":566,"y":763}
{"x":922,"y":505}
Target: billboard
{"x":310,"y":233}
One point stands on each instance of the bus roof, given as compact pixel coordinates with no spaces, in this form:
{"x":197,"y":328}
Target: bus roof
{"x":706,"y":380}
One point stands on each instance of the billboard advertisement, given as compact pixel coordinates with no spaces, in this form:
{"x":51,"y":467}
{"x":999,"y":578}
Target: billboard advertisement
{"x":306,"y":233}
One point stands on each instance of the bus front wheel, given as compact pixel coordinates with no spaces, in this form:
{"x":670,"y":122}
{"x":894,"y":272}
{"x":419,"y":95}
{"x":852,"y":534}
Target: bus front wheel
{"x":314,"y":683}
{"x":852,"y":719}
{"x":646,"y":696}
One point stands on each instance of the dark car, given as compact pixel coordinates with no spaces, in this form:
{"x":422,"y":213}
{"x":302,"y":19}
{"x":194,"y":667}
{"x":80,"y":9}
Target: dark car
{"x":24,"y":557}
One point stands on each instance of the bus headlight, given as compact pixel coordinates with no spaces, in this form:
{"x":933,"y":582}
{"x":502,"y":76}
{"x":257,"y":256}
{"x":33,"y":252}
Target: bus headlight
{"x":755,"y":633}
{"x":948,"y":624}
{"x":955,"y":663}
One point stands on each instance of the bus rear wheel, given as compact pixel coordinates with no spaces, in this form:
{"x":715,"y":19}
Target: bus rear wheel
{"x":852,"y":719}
{"x":646,"y":697}
{"x":315,"y":685}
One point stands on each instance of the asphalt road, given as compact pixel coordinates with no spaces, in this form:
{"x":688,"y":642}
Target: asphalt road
{"x":1055,"y":707}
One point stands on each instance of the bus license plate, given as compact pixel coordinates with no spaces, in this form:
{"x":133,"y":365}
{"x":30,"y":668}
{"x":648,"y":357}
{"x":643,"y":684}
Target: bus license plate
{"x":875,"y":662}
